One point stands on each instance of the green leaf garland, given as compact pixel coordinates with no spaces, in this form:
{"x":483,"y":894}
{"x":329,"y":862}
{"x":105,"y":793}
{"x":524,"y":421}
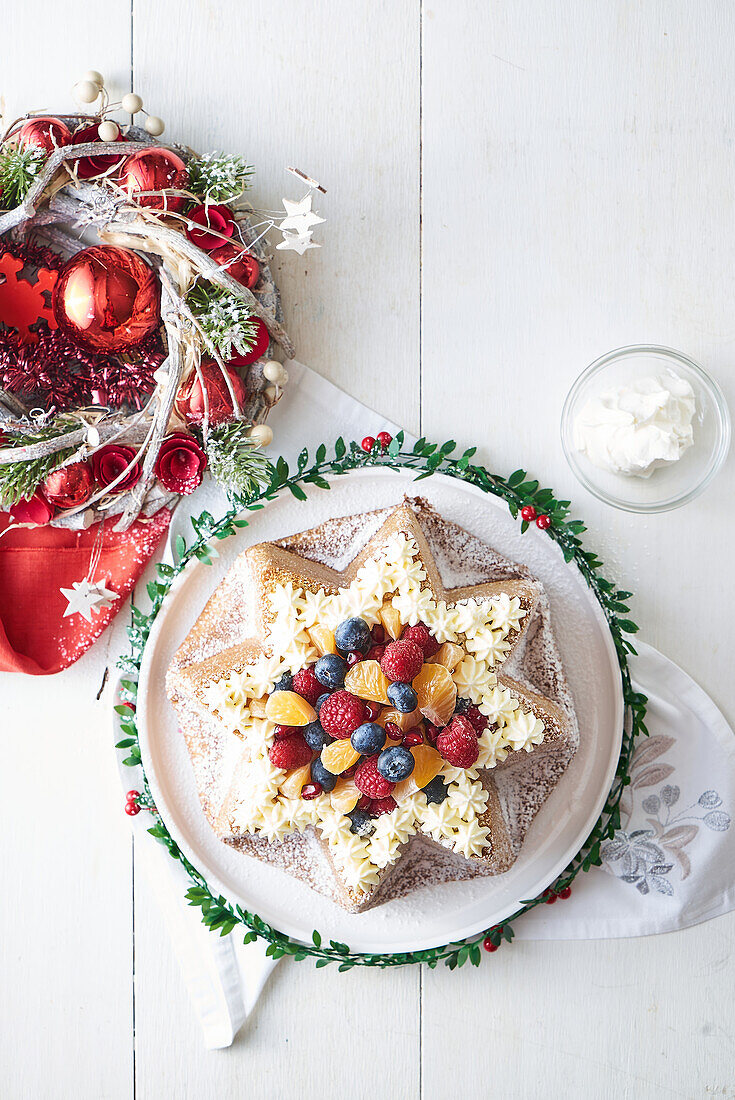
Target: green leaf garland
{"x":425,"y":458}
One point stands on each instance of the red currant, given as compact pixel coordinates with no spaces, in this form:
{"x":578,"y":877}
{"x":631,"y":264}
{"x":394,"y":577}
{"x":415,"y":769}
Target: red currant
{"x":373,"y":710}
{"x":528,"y":513}
{"x":378,"y":634}
{"x":550,"y":897}
{"x":488,"y":944}
{"x":476,"y":718}
{"x":543,"y":522}
{"x":311,"y":790}
{"x":132,"y":808}
{"x":393,"y":731}
{"x":353,"y":657}
{"x":384,"y":439}
{"x":565,"y":893}
{"x":368,"y":443}
{"x":132,"y":796}
{"x":412,"y":739}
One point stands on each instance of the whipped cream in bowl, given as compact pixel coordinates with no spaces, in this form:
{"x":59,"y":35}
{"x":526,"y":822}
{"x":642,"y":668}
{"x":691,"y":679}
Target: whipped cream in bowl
{"x":645,"y":429}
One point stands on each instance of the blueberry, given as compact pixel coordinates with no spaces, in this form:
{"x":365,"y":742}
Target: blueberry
{"x":330,"y":671}
{"x":368,"y":738}
{"x":436,"y":791}
{"x":353,"y":633}
{"x":461,"y":706}
{"x":395,"y":764}
{"x":362,"y":823}
{"x":403,"y":697}
{"x":285,"y":683}
{"x":322,"y":698}
{"x":320,"y":775}
{"x":315,"y":736}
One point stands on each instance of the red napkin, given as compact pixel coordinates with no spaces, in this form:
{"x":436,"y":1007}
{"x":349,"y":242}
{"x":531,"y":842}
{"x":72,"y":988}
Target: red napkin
{"x":36,"y":562}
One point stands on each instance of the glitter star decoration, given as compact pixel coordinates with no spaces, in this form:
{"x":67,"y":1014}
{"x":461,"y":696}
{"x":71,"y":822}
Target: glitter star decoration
{"x":87,"y":597}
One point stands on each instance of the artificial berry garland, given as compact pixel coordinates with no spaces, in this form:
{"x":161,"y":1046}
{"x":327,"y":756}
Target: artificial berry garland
{"x":426,"y":458}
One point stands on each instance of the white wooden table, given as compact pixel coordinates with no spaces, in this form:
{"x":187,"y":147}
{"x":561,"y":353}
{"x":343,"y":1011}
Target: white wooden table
{"x":514,"y":188}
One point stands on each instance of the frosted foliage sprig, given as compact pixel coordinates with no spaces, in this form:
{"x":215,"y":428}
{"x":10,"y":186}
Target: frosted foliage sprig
{"x":219,"y":177}
{"x":19,"y":169}
{"x":225,"y":321}
{"x":236,"y":461}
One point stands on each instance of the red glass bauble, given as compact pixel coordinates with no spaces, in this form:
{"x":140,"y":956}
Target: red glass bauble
{"x":154,"y":170}
{"x":45,"y":133}
{"x":239,"y":264}
{"x":190,"y":398}
{"x":107,"y":299}
{"x":262,"y":340}
{"x":89,"y":167}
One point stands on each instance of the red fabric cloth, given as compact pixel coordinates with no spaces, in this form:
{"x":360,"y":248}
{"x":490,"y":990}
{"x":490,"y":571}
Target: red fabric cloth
{"x":35,"y":563}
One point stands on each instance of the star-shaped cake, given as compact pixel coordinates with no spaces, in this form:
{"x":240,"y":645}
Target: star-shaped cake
{"x":375,"y":704}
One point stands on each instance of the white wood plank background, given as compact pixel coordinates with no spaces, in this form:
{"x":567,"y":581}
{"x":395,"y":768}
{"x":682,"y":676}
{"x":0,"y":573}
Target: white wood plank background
{"x":514,"y":188}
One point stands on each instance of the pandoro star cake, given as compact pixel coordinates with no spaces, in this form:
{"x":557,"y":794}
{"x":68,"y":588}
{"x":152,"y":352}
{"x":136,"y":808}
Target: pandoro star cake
{"x":375,"y":705}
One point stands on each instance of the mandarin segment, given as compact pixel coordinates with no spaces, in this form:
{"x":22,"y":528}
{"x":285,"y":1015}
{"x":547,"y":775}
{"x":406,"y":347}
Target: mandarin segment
{"x":294,"y":781}
{"x":391,"y":620}
{"x":405,"y":722}
{"x":339,"y":756}
{"x":428,"y":764}
{"x":448,"y":655}
{"x":322,"y":638}
{"x":367,"y":680}
{"x":437,"y":693}
{"x":345,"y":796}
{"x":286,"y":708}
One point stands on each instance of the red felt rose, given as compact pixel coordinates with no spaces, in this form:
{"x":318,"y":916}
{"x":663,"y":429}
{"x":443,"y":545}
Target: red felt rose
{"x":238,"y":263}
{"x":190,"y":398}
{"x":218,"y":218}
{"x":110,"y":461}
{"x":69,"y":486}
{"x":181,"y":463}
{"x":36,"y":510}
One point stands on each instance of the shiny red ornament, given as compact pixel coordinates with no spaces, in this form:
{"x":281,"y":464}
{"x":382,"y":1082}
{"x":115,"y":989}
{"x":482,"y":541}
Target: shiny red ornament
{"x":238,"y":263}
{"x":190,"y":398}
{"x":155,"y":170}
{"x":110,"y":461}
{"x":260,"y":346}
{"x":212,"y":223}
{"x":70,"y":486}
{"x":35,"y":510}
{"x":107,"y":299}
{"x":180,"y":464}
{"x":88,"y":168}
{"x":45,"y":133}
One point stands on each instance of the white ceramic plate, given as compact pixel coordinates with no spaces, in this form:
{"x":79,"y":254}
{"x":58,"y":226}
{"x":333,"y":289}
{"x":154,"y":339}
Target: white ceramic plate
{"x":438,"y":914}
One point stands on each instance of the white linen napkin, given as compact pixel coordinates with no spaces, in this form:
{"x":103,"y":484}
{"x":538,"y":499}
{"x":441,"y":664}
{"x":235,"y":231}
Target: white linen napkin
{"x":672,"y":864}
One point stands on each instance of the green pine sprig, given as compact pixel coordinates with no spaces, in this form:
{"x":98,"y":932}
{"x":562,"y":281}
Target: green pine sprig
{"x":425,"y":458}
{"x":19,"y":480}
{"x":236,"y":460}
{"x":219,"y":177}
{"x":226,"y":321}
{"x":19,"y":169}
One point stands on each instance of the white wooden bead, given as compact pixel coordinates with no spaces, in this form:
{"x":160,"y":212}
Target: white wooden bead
{"x":154,"y":125}
{"x":270,"y":393}
{"x":93,"y":77}
{"x":86,"y":92}
{"x":131,"y":103}
{"x":108,"y":131}
{"x":262,"y":434}
{"x":275,"y":372}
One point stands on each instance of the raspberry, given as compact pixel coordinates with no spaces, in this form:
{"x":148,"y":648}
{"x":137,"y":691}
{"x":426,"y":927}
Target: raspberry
{"x":423,"y":638}
{"x":402,"y":661}
{"x":342,"y":713}
{"x":380,"y":806}
{"x":477,"y":720}
{"x":375,"y":653}
{"x":292,"y":752}
{"x":306,"y":685}
{"x":458,"y":743}
{"x":378,"y":634}
{"x":369,"y":780}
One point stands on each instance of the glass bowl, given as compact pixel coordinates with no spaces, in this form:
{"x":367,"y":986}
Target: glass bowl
{"x":668,"y":486}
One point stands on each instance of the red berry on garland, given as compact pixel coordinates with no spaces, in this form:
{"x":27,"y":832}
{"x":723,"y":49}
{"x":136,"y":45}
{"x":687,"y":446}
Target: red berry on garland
{"x":260,"y":346}
{"x":488,"y":944}
{"x":243,"y":267}
{"x":528,"y":513}
{"x":210,"y":379}
{"x":565,"y":893}
{"x":154,"y":170}
{"x":211,"y":224}
{"x":384,"y":439}
{"x":543,"y":522}
{"x":550,"y":896}
{"x":132,"y":796}
{"x":44,"y":133}
{"x":107,"y":299}
{"x":132,"y":808}
{"x":306,"y":684}
{"x":368,"y":443}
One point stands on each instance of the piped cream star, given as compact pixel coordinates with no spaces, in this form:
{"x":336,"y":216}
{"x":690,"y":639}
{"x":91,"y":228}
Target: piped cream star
{"x":87,"y":597}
